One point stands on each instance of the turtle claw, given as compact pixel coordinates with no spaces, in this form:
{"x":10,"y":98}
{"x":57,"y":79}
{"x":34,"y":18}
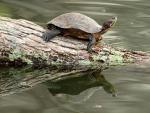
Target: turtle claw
{"x":45,"y":38}
{"x":96,"y":49}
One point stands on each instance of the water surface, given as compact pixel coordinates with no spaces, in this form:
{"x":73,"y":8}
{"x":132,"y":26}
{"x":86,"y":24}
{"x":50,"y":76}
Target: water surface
{"x":131,"y":32}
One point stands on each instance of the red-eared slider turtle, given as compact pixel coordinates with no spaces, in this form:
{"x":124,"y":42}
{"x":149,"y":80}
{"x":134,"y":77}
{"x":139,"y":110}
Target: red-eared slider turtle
{"x":77,"y":25}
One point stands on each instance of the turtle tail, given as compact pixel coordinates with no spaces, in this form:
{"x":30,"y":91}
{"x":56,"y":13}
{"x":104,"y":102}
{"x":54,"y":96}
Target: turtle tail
{"x":49,"y":34}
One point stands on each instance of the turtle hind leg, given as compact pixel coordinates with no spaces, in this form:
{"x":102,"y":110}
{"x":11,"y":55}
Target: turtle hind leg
{"x":49,"y":34}
{"x":90,"y":43}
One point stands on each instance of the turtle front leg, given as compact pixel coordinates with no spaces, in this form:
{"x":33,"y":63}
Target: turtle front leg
{"x":90,"y":43}
{"x":97,"y":46}
{"x":98,"y":42}
{"x":49,"y":34}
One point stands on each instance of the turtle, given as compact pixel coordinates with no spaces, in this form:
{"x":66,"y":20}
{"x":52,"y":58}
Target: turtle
{"x":79,"y":26}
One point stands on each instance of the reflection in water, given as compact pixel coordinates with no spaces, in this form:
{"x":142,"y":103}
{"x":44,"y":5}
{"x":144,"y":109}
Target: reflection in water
{"x":132,"y":86}
{"x":72,"y":84}
{"x":76,"y":85}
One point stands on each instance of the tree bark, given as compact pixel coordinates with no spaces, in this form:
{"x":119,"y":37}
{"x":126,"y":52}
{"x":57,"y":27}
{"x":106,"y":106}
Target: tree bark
{"x":21,"y":45}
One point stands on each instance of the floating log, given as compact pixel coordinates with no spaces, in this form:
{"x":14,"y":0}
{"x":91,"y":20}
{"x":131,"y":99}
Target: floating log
{"x":21,"y":46}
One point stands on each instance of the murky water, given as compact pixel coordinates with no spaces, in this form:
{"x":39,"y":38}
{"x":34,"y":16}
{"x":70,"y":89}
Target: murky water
{"x":132,"y":31}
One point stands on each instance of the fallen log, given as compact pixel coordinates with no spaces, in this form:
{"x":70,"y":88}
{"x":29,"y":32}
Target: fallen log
{"x":21,"y":46}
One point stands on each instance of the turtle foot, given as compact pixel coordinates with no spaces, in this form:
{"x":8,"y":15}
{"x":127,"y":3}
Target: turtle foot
{"x":49,"y":34}
{"x":96,"y":49}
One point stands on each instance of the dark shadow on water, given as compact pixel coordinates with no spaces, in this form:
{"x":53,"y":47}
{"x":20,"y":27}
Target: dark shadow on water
{"x":74,"y":85}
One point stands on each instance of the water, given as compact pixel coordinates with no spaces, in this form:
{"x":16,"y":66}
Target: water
{"x":131,"y":82}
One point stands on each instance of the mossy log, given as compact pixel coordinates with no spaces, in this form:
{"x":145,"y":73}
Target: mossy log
{"x":21,"y":46}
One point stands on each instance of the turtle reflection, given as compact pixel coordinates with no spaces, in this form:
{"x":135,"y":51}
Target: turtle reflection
{"x":78,"y":83}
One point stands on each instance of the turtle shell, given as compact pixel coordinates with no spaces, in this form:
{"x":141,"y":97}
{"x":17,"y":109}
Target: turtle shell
{"x":76,"y":21}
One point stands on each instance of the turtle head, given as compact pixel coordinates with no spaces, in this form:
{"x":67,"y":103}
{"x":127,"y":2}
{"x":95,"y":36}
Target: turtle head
{"x":108,"y":24}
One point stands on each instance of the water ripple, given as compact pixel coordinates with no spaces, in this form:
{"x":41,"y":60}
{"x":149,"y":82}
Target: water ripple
{"x":94,"y":3}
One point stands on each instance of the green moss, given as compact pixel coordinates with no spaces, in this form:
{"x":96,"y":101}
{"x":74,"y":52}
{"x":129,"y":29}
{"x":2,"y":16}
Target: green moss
{"x":117,"y":53}
{"x":56,"y":63}
{"x":96,"y":57}
{"x":130,"y":60}
{"x":99,"y":57}
{"x":116,"y":60}
{"x":112,"y":57}
{"x":85,"y":62}
{"x":16,"y":54}
{"x":40,"y":56}
{"x":28,"y":61}
{"x":109,"y":57}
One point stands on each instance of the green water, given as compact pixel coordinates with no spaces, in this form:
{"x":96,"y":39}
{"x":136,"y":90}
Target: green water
{"x":132,"y":31}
